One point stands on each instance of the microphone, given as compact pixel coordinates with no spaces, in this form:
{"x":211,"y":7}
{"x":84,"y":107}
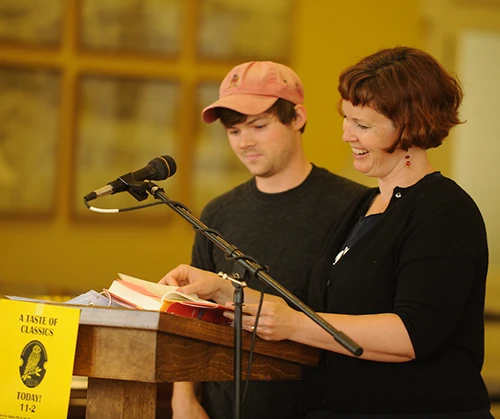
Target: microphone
{"x":160,"y":168}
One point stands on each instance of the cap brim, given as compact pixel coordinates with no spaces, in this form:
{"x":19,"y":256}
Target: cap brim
{"x":242,"y":103}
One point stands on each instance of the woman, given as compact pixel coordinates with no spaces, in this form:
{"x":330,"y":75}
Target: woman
{"x":403,"y":271}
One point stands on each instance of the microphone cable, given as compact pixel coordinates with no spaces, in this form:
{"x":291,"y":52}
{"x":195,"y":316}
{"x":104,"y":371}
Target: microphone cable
{"x":116,"y":210}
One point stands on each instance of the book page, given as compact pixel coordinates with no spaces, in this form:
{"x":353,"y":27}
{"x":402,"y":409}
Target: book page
{"x":134,"y":295}
{"x":154,"y":288}
{"x":190,"y":299}
{"x":167,"y":292}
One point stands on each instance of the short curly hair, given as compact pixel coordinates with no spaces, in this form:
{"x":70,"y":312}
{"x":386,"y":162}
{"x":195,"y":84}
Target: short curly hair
{"x":411,"y":88}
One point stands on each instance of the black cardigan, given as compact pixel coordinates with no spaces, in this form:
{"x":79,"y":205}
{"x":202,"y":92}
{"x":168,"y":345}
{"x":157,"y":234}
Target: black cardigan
{"x":426,"y":261}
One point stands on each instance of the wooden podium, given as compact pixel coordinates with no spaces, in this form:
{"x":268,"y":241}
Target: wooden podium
{"x":126,"y":353}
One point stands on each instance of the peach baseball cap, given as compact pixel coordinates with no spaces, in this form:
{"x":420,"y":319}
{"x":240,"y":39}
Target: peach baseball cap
{"x":252,"y":88}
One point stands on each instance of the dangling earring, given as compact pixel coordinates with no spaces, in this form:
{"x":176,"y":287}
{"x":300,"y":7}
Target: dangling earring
{"x":408,"y":163}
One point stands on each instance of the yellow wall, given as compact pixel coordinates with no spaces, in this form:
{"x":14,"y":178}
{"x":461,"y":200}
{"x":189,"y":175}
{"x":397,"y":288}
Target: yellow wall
{"x":62,"y":255}
{"x":59,"y":255}
{"x":332,"y":35}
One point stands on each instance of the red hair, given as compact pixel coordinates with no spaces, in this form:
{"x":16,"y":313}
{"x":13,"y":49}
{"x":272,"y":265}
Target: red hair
{"x":411,"y":88}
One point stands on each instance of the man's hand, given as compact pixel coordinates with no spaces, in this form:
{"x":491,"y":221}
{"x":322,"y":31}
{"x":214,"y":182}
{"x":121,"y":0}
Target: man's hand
{"x":185,"y":404}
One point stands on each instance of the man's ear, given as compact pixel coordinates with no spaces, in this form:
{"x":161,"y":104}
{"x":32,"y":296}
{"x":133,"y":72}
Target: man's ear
{"x":300,"y":117}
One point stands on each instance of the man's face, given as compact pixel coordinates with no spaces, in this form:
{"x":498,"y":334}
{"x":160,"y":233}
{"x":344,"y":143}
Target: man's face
{"x":263,"y":144}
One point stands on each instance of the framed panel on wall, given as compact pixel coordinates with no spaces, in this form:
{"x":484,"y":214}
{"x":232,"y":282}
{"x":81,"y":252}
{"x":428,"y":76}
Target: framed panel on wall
{"x":121,"y":125}
{"x":37,"y":23}
{"x":245,"y":30}
{"x":216,"y":169}
{"x":29,"y":135}
{"x":145,"y":26}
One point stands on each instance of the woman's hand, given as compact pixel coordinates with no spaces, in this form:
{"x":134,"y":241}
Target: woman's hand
{"x":277,"y":321}
{"x":206,"y":285}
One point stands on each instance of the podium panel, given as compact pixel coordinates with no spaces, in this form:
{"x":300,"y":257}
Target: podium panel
{"x":126,"y":353}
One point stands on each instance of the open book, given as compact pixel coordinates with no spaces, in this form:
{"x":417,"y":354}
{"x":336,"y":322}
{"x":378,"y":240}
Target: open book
{"x":146,"y":295}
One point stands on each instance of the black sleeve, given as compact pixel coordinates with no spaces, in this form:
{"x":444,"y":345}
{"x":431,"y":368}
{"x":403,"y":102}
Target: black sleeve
{"x":442,"y":265}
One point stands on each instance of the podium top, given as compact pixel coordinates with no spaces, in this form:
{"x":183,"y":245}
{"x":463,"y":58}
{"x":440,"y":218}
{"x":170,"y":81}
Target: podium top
{"x":166,"y":323}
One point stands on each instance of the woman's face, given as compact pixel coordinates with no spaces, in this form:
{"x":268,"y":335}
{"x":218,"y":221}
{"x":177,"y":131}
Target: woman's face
{"x":369,"y":133}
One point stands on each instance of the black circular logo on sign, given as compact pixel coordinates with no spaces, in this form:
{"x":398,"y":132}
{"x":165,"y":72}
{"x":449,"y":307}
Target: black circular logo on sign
{"x":33,"y":363}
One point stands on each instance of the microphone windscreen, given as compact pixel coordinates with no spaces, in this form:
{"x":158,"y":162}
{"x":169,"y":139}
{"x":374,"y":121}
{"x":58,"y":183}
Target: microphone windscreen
{"x":163,"y":167}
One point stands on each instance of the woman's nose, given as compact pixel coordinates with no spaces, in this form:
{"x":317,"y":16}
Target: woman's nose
{"x":347,"y":134}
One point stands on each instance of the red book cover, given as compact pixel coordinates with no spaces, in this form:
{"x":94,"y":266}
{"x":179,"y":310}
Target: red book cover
{"x":148,"y":296}
{"x":209,"y":314}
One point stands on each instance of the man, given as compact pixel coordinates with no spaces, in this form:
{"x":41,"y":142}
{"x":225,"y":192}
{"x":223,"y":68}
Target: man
{"x":278,"y":217}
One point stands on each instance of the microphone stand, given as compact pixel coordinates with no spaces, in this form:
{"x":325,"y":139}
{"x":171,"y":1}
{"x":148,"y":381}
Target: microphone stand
{"x":238,"y":349}
{"x":252,"y":267}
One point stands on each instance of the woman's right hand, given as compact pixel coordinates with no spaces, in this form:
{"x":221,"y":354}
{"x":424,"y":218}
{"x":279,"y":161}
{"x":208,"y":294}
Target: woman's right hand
{"x":206,"y":285}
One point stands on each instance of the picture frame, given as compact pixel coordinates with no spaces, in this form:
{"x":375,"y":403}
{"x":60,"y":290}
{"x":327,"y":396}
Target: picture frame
{"x":242,"y":31}
{"x":29,"y":140}
{"x":37,"y":23}
{"x":131,"y":26}
{"x":122,"y":123}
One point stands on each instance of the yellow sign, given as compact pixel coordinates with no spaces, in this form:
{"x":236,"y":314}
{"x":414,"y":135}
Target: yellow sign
{"x":36,"y":359}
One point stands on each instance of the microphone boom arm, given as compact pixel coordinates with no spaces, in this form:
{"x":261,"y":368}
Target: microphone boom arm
{"x":250,"y":266}
{"x":255,"y":269}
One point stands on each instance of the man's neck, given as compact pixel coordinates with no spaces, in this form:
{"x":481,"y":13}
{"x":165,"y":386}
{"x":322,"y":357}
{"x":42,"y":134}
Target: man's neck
{"x":285,"y":180}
